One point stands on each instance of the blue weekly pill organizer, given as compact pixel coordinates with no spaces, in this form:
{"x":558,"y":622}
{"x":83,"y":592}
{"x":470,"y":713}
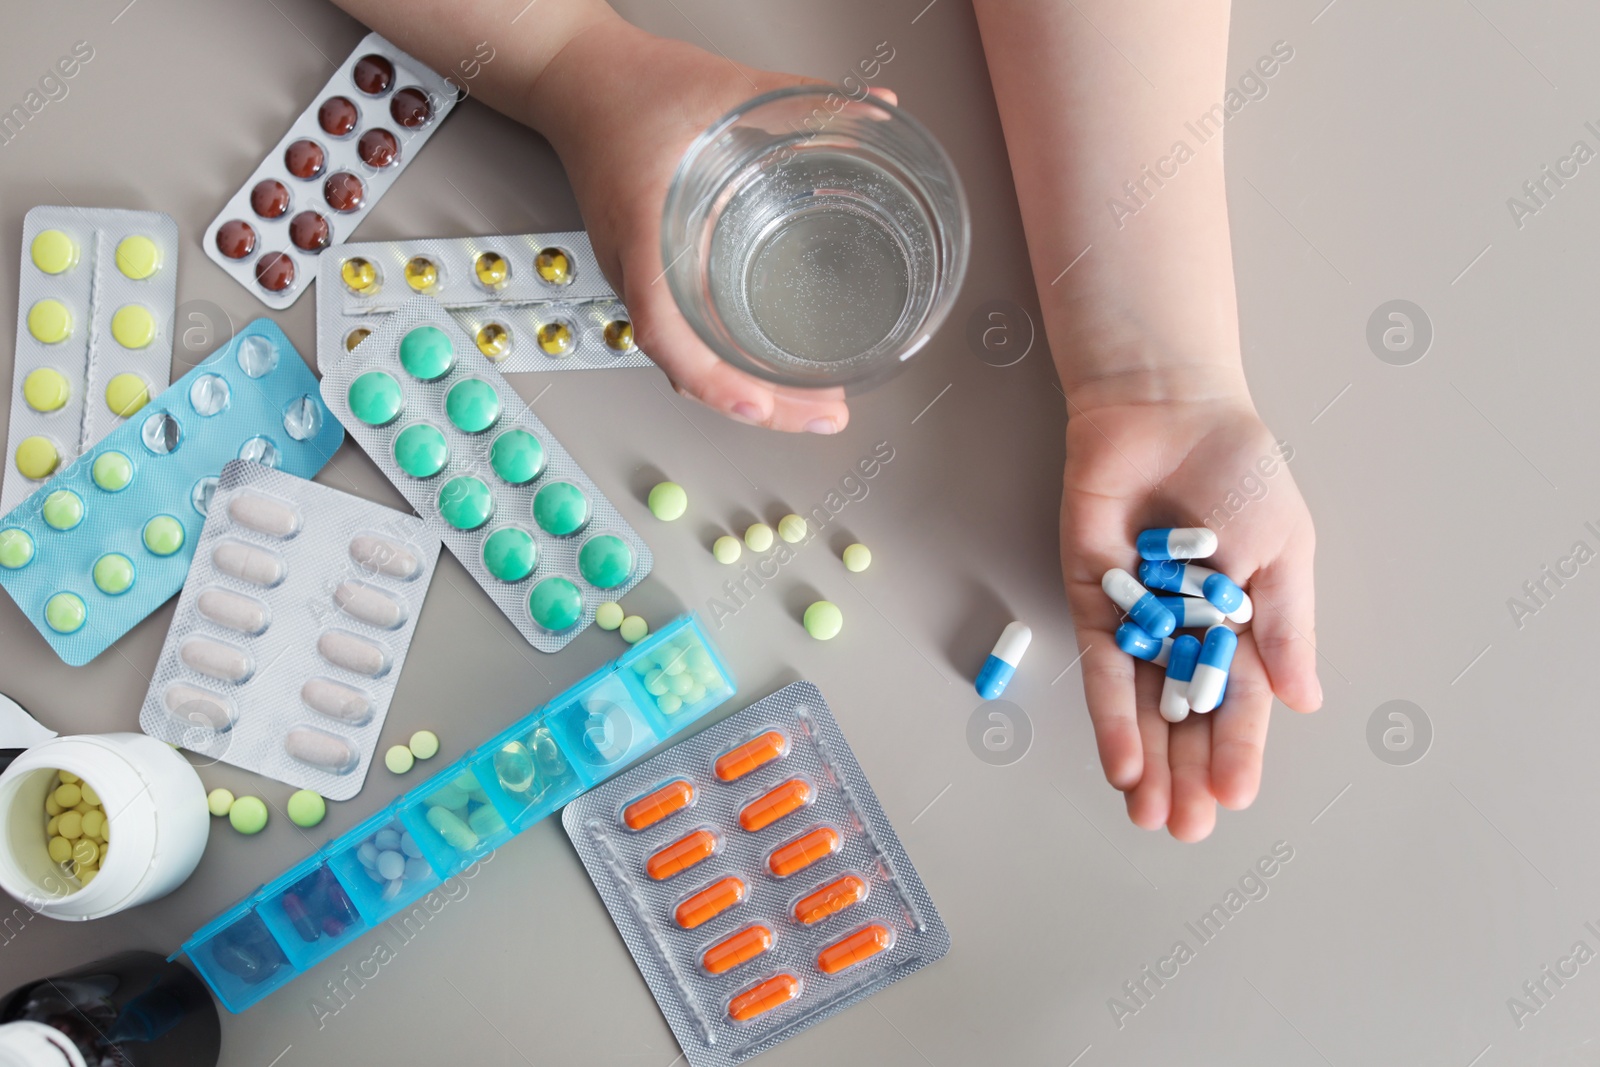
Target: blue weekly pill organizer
{"x":110,"y":537}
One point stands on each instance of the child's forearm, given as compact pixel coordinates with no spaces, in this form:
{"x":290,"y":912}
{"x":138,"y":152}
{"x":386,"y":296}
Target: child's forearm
{"x":1148,"y":311}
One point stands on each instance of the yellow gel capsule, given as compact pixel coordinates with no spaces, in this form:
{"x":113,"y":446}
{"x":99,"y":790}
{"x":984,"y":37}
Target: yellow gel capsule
{"x":138,"y":257}
{"x":54,"y":252}
{"x":555,"y":338}
{"x":359,"y":274}
{"x":553,"y":266}
{"x":421,"y":274}
{"x":355,"y":337}
{"x":133,"y":326}
{"x":126,"y":394}
{"x":60,"y":849}
{"x":46,"y":389}
{"x":492,"y":270}
{"x":37,"y":457}
{"x":619,"y":335}
{"x":50,"y":322}
{"x":494,"y":341}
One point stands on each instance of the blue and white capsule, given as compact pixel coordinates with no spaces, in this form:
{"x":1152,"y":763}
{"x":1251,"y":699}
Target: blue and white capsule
{"x":1211,"y":673}
{"x":1177,"y":542}
{"x":1004,"y":660}
{"x":1180,"y":669}
{"x":1140,"y":604}
{"x":1192,"y":612}
{"x":1191,"y":579}
{"x":1140,"y":645}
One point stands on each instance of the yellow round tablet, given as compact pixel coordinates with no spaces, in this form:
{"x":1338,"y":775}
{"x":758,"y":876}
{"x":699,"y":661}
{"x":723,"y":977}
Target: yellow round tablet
{"x":46,"y":389}
{"x":50,"y":321}
{"x":138,"y":257}
{"x":54,"y":252}
{"x":126,"y":393}
{"x":133,"y":326}
{"x":37,"y":457}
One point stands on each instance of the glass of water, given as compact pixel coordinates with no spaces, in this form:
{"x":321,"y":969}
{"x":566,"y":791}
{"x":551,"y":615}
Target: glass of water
{"x":814,"y":239}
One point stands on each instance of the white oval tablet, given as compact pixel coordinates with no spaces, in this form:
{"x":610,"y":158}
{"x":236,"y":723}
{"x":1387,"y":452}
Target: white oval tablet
{"x":337,"y":701}
{"x":310,"y":745}
{"x":263,"y":514}
{"x":353,"y":653}
{"x":371,"y":605}
{"x":198,"y":707}
{"x":214,"y":659}
{"x":380,"y":555}
{"x":236,"y":611}
{"x":248,"y":563}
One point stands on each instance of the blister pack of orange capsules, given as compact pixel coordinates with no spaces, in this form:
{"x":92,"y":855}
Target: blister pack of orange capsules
{"x":755,"y":878}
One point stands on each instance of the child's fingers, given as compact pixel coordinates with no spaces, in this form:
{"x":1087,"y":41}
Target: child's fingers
{"x":1239,"y":730}
{"x":1150,"y":802}
{"x":1285,"y":623}
{"x":1194,"y":809}
{"x":1109,"y":690}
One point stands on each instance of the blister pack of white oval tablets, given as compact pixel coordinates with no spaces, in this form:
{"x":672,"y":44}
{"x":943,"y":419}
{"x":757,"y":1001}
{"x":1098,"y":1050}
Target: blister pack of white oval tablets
{"x":530,"y":302}
{"x":291,"y":630}
{"x":94,"y":313}
{"x":485,"y":473}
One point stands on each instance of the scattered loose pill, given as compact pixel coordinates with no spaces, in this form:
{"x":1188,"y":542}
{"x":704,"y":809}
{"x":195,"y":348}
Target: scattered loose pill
{"x":306,"y":808}
{"x":609,"y":616}
{"x":681,"y":854}
{"x":248,"y":815}
{"x":803,"y":851}
{"x":849,"y":951}
{"x":668,"y":501}
{"x":758,"y":535}
{"x":737,"y":948}
{"x":710,"y":902}
{"x":775,"y":992}
{"x":633,"y":629}
{"x":424,"y":744}
{"x":726,"y":549}
{"x":220,"y":801}
{"x":776,"y":803}
{"x":792,"y":528}
{"x":830,"y":899}
{"x":658,"y":804}
{"x":823,"y":620}
{"x":1003,"y":660}
{"x":399,"y":759}
{"x":857,"y":558}
{"x":754,"y":753}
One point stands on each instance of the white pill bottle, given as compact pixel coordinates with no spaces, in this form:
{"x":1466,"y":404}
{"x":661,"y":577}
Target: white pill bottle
{"x":155,"y":811}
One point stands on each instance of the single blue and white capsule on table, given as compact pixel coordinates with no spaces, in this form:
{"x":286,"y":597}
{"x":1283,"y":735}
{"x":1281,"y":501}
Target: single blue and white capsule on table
{"x":1178,"y":542}
{"x":1211,"y":673}
{"x":1140,"y":604}
{"x":1191,"y":579}
{"x":1180,"y":669}
{"x":1192,"y":612}
{"x":1003,"y":661}
{"x":1140,"y":645}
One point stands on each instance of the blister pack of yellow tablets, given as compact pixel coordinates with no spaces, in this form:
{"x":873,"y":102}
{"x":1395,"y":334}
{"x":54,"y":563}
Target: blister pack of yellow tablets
{"x":94,"y":313}
{"x":530,"y":302}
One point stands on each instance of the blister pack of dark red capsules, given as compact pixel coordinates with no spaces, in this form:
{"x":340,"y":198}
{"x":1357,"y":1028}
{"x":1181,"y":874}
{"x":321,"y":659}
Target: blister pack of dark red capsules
{"x":755,"y":878}
{"x":530,"y":302}
{"x":340,"y":156}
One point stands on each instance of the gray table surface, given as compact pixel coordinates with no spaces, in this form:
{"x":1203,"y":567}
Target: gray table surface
{"x":1422,"y":893}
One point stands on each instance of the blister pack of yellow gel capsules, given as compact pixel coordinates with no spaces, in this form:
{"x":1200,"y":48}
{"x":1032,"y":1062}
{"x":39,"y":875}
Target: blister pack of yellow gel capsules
{"x":291,"y":630}
{"x":485,"y":474}
{"x":754,"y":876}
{"x":530,"y":302}
{"x":94,"y":315}
{"x":321,"y":179}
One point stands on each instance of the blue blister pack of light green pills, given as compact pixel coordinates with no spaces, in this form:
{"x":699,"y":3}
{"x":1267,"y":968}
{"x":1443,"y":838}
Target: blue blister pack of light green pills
{"x":382,"y":870}
{"x":110,"y":537}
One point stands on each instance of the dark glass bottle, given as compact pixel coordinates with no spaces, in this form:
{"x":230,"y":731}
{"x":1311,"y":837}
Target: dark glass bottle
{"x":134,"y":1009}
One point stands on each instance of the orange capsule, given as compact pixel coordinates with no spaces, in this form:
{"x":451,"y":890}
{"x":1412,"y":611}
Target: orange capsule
{"x":653,"y":807}
{"x":710,"y":902}
{"x":830,"y":899}
{"x":760,"y":999}
{"x":682,"y":854}
{"x":773,"y":805}
{"x":803,"y":851}
{"x":756,"y":752}
{"x":849,"y":951}
{"x":738,"y":948}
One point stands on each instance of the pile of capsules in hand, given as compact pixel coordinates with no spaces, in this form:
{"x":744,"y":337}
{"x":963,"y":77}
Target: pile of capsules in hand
{"x":1197,"y":670}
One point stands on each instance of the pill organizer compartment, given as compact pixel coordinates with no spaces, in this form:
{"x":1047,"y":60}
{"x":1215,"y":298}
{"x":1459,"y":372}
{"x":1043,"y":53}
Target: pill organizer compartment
{"x":310,"y":914}
{"x":603,"y":729}
{"x":356,"y":860}
{"x":675,"y":676}
{"x":532,"y":772}
{"x":452,"y":817}
{"x":238,"y":957}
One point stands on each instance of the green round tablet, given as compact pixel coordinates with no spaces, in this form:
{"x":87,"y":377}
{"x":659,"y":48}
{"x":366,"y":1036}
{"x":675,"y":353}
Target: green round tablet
{"x":306,"y":808}
{"x":555,"y":604}
{"x":465,"y":502}
{"x":112,"y":471}
{"x":424,"y":744}
{"x":62,"y":509}
{"x":421,"y":450}
{"x":65,"y":613}
{"x":510,"y":554}
{"x":823,"y":620}
{"x":113,"y":573}
{"x":473,"y":405}
{"x":668,"y":501}
{"x":427,"y":353}
{"x":375,"y":398}
{"x":605,"y":561}
{"x":16,"y":548}
{"x":608,"y":616}
{"x":857,"y":558}
{"x":163,"y":535}
{"x":220,"y":801}
{"x":517,"y":457}
{"x":248,"y":815}
{"x":398,"y":759}
{"x":560,"y":508}
{"x":633,"y":629}
{"x":727,"y":549}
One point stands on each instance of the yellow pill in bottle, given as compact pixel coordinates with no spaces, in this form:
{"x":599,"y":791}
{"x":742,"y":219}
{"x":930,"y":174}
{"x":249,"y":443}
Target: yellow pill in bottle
{"x":553,"y":266}
{"x":619,"y":335}
{"x":359,"y":275}
{"x":493,"y":270}
{"x":555,"y":338}
{"x":422,"y":274}
{"x":494,"y":341}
